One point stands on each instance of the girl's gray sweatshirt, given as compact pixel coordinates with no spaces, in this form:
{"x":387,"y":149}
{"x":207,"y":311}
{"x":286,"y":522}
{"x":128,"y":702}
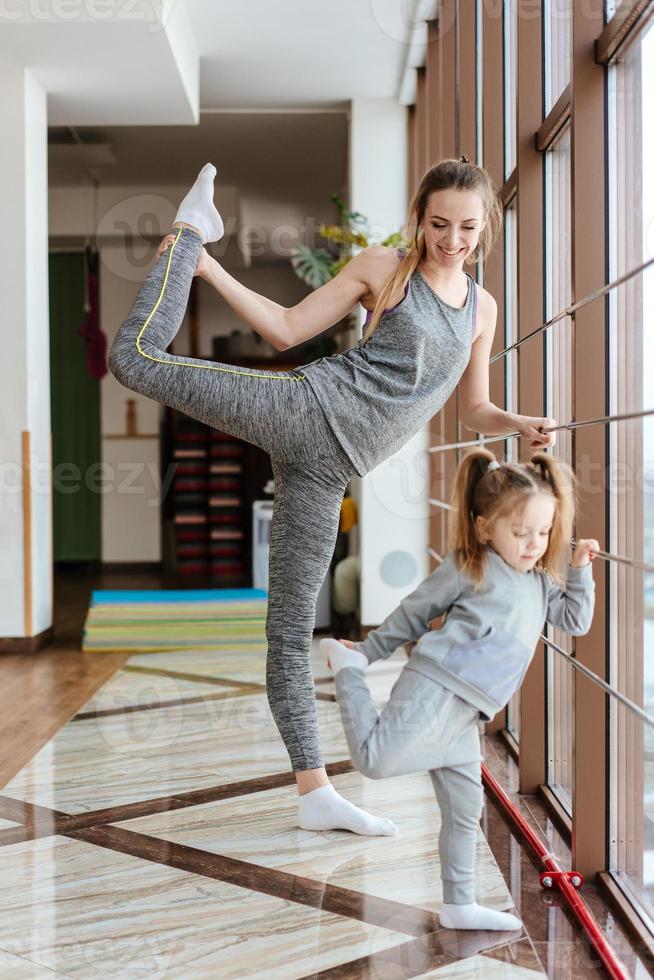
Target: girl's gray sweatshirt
{"x":489,"y":636}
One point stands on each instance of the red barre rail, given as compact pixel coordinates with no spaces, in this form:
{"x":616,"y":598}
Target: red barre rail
{"x":554,"y":872}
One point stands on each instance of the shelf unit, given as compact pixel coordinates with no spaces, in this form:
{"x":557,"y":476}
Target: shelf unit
{"x":207,"y":510}
{"x":204,"y":509}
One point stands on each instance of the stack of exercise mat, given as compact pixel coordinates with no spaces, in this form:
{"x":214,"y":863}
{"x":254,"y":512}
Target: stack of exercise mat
{"x":209,"y":516}
{"x":184,"y":619}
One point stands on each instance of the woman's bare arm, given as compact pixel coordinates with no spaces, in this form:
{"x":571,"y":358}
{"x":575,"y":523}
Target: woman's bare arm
{"x":332,"y":301}
{"x":473,"y":387}
{"x":262,"y":315}
{"x":286,"y":327}
{"x":476,"y":411}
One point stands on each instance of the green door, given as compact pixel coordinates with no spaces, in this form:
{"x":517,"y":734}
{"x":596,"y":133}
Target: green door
{"x":75,"y":405}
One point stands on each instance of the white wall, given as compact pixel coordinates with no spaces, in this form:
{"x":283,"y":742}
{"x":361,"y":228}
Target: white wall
{"x":131,"y":521}
{"x":25,"y":362}
{"x":393,"y":507}
{"x":131,"y":525}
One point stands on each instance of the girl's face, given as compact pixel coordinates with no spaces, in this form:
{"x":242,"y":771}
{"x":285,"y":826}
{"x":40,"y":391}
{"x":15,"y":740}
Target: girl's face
{"x":521,"y":537}
{"x":452,"y":224}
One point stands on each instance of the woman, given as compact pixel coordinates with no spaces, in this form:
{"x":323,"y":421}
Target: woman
{"x":335,"y":417}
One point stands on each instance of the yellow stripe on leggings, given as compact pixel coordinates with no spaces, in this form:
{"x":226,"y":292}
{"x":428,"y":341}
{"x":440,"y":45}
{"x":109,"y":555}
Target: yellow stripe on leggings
{"x":268,"y":376}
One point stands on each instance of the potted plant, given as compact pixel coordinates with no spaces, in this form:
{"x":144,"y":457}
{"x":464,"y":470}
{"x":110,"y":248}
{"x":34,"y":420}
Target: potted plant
{"x":318,"y":266}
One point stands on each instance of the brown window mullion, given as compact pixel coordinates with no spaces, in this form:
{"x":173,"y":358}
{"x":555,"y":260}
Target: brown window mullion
{"x":626,"y":23}
{"x":555,"y":121}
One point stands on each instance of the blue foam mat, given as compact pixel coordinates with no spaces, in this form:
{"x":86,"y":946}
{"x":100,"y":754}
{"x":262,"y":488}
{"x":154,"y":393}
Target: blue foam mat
{"x":103,"y":596}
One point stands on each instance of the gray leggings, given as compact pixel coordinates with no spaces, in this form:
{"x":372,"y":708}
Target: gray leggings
{"x":423,"y":726}
{"x":279,"y":413}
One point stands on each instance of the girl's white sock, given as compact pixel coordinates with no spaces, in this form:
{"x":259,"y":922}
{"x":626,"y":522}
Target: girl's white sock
{"x":198,"y":209}
{"x":475,"y":916}
{"x":339,"y":656}
{"x":325,"y":809}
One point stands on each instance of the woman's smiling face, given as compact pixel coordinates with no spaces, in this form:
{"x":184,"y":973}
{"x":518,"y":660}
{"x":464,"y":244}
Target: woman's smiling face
{"x":452,"y":224}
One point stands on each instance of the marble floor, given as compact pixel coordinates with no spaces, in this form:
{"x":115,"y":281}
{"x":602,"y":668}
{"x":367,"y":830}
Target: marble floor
{"x":154,"y":835}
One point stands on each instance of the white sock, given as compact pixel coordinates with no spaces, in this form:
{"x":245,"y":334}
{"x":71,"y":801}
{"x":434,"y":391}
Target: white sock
{"x":475,"y":916}
{"x":325,"y":809}
{"x":339,"y":656}
{"x":198,"y":209}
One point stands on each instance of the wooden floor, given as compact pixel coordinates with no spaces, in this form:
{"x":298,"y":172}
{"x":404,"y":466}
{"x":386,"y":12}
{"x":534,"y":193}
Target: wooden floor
{"x":39,"y":693}
{"x":122,"y":811}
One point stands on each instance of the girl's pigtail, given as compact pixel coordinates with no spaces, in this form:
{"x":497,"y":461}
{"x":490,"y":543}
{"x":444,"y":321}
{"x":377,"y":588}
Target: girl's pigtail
{"x":463,"y":538}
{"x":561,"y":479}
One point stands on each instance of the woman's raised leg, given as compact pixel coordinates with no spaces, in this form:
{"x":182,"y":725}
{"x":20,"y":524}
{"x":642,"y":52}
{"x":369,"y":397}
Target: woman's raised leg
{"x":243,"y":402}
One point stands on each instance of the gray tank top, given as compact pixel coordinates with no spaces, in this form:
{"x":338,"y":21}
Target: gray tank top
{"x":378,"y":394}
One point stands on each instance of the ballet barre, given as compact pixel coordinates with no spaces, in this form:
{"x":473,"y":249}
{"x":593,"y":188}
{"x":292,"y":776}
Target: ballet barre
{"x":571,"y":310}
{"x":603,"y":419}
{"x":642,"y":566}
{"x":627,"y":702}
{"x":568,"y":311}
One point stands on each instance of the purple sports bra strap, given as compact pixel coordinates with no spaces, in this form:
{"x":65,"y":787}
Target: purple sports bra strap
{"x":474,"y":308}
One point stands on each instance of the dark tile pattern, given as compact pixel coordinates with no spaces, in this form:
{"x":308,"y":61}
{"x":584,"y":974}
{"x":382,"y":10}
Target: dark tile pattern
{"x":552,"y":943}
{"x":37,"y":821}
{"x":562,"y":948}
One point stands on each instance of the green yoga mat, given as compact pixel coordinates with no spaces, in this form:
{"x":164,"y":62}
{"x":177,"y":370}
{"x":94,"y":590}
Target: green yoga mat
{"x":140,"y":621}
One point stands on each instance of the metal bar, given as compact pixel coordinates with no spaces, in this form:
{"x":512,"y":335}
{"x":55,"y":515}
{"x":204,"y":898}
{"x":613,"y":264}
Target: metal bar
{"x":440,"y":503}
{"x":549,"y":862}
{"x":569,"y":310}
{"x":648,"y":719}
{"x":602,"y":683}
{"x":604,"y":419}
{"x":643,"y":566}
{"x":470,"y":442}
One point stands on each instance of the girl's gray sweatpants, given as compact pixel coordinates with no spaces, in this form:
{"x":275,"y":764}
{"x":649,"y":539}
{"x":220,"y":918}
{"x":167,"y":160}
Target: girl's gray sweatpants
{"x":279,"y":413}
{"x":423,"y":726}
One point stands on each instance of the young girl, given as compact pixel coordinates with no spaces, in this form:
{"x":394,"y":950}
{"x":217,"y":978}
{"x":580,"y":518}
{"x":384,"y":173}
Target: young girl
{"x":508,"y":528}
{"x":334,"y":418}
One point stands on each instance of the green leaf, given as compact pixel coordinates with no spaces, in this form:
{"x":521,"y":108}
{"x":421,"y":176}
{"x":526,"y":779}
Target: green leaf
{"x":350,"y":217}
{"x":313,"y":266}
{"x":395,"y":240}
{"x":340,"y":264}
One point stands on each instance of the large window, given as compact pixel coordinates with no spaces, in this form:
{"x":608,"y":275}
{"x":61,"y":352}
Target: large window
{"x":611,"y":6}
{"x":511,"y":316}
{"x":511,"y":376}
{"x":578,"y":194}
{"x":557,"y":33}
{"x":631,"y":480}
{"x":510,"y":82}
{"x":479,"y":83}
{"x":558,"y":366}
